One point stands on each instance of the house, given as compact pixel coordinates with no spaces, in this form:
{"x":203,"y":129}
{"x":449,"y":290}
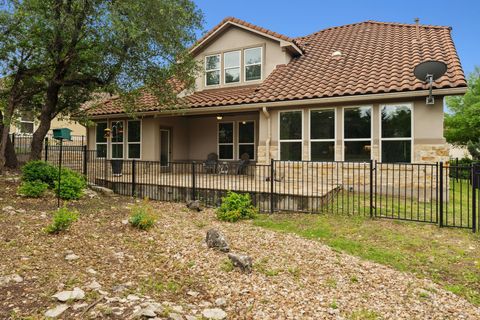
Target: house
{"x":345,"y":93}
{"x":26,"y":125}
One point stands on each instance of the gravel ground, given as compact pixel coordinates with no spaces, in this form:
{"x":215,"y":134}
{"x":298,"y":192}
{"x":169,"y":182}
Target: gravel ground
{"x":292,"y":278}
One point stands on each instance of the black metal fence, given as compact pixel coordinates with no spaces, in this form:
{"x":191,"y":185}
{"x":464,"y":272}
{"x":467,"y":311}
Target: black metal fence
{"x":22,"y":142}
{"x":438,"y":193}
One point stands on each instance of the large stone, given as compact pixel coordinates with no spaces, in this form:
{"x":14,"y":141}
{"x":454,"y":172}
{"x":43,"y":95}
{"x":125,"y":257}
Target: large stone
{"x":57,"y":311}
{"x":71,"y":256}
{"x":75,"y":294}
{"x":216,"y":240}
{"x":194,"y":205}
{"x":241,"y":261}
{"x":214,"y":314}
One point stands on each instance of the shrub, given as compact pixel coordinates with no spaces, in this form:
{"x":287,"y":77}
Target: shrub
{"x":32,"y":189}
{"x":142,"y":216}
{"x":236,"y":206}
{"x":40,"y":171}
{"x":62,"y":219}
{"x":72,"y":185}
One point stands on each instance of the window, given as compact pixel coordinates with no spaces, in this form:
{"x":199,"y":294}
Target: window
{"x":225,"y":140}
{"x":117,"y":140}
{"x":212,"y":70}
{"x":232,"y":66}
{"x":396,"y":133}
{"x":134,"y":136}
{"x":246,"y":139}
{"x":322,"y":135}
{"x":101,"y":140}
{"x":357,"y":133}
{"x":26,"y":125}
{"x":253,"y":64}
{"x":291,"y":135}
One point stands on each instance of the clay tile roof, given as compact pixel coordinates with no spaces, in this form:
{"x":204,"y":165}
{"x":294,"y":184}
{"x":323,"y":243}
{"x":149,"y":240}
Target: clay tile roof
{"x":362,"y":58}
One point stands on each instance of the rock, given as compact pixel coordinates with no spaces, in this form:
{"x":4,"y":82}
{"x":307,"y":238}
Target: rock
{"x":214,"y":314}
{"x":125,"y":222}
{"x":7,"y":279}
{"x":132,"y":297}
{"x":57,"y":311}
{"x":77,"y":306}
{"x":94,"y":285}
{"x":220,"y":302}
{"x":194,"y":205}
{"x":102,"y":190}
{"x":144,"y":312}
{"x":193,"y":293}
{"x":177,"y":309}
{"x":21,"y":211}
{"x":175,"y":316}
{"x":8,"y":209}
{"x":91,"y":271}
{"x":71,"y":257}
{"x":90,"y":193}
{"x":215,"y":239}
{"x":188,"y":317}
{"x":75,"y":294}
{"x":241,"y":261}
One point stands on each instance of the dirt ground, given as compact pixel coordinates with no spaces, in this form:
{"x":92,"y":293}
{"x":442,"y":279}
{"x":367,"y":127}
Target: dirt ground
{"x":170,"y":270}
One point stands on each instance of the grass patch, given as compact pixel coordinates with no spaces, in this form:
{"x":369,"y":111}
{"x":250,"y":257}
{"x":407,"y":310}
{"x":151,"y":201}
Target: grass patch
{"x":449,"y":257}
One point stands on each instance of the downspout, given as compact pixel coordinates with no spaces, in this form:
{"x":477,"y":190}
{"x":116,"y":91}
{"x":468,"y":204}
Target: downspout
{"x":269,"y":131}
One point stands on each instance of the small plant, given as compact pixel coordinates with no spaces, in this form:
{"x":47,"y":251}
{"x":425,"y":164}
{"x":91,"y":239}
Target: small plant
{"x":40,"y":171}
{"x":72,"y":185}
{"x":227,"y":265}
{"x":32,"y":189}
{"x":236,"y":206}
{"x":142,"y":216}
{"x":62,"y":219}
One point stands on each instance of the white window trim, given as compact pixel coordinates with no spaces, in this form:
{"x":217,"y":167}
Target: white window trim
{"x":102,"y":143}
{"x":20,"y":127}
{"x":112,"y":123}
{"x":357,"y":139}
{"x":239,"y":67}
{"x":139,"y":142}
{"x":290,"y":140}
{"x":245,"y":65}
{"x":219,"y":69}
{"x":247,"y":143}
{"x":407,"y":104}
{"x":334,"y":140}
{"x":225,"y":143}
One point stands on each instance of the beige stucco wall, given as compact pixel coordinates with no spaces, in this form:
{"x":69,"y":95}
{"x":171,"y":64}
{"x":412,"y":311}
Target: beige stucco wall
{"x":235,"y":38}
{"x":77,"y":128}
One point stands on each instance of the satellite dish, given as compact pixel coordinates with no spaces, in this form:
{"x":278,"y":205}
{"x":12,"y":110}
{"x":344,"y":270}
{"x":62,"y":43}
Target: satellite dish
{"x":429,"y":71}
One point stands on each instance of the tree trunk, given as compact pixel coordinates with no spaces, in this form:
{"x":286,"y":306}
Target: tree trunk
{"x":39,"y":137}
{"x":11,"y":160}
{"x":6,"y":119}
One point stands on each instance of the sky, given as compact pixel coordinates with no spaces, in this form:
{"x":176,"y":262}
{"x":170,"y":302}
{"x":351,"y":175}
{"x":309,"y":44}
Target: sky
{"x":301,"y":17}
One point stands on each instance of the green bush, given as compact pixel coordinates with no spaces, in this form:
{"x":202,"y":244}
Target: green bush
{"x":62,"y":219}
{"x":462,"y":171}
{"x":40,"y":171}
{"x":71,"y":186}
{"x":32,"y":189}
{"x":236,"y":206}
{"x":142,"y":216}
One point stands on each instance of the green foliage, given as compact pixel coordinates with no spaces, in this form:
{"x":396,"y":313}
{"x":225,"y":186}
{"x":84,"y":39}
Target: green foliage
{"x":460,"y":169}
{"x":71,"y":186}
{"x":142,"y":216}
{"x":474,"y":148}
{"x":39,"y":171}
{"x":32,"y":189}
{"x":462,"y":122}
{"x":62,"y":219}
{"x":236,"y":206}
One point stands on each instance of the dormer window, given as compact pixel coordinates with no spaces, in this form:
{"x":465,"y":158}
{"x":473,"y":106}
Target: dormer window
{"x":232,"y":66}
{"x":253,"y":64}
{"x":212,"y":70}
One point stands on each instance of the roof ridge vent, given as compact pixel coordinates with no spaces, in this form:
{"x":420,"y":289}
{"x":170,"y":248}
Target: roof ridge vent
{"x":337,"y":54}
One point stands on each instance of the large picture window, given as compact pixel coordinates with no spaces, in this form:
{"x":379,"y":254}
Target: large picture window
{"x":225,"y":140}
{"x":291,"y":128}
{"x":322,"y":135}
{"x":134,"y":139}
{"x":246,"y":139}
{"x":253,"y":64}
{"x":101,"y":140}
{"x":396,"y":133}
{"x":357,"y":137}
{"x":117,"y":140}
{"x":232,"y":66}
{"x":212,"y":70}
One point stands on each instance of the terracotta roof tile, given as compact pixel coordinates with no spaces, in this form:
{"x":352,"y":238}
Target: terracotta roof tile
{"x":376,"y":57}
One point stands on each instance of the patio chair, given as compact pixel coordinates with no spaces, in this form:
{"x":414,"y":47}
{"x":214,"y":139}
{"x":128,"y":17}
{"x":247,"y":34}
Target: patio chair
{"x":210,"y":165}
{"x":243,"y":164}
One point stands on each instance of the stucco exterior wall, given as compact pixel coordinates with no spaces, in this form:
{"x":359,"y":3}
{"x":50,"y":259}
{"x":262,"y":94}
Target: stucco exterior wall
{"x":237,"y":39}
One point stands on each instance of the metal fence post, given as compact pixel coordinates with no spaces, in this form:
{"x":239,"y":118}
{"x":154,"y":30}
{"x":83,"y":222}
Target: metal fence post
{"x":272,"y":173}
{"x":193,"y":182}
{"x":46,"y":149}
{"x":440,"y":217}
{"x":371,"y":188}
{"x":475,"y":176}
{"x":85,"y":159}
{"x":134,"y":178}
{"x":13,"y":140}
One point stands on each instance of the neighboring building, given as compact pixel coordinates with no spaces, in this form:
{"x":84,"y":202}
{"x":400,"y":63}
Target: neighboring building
{"x":459,"y":152}
{"x":26,"y":125}
{"x":343,"y":93}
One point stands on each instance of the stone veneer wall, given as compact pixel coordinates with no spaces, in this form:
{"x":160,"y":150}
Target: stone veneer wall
{"x":431,"y":153}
